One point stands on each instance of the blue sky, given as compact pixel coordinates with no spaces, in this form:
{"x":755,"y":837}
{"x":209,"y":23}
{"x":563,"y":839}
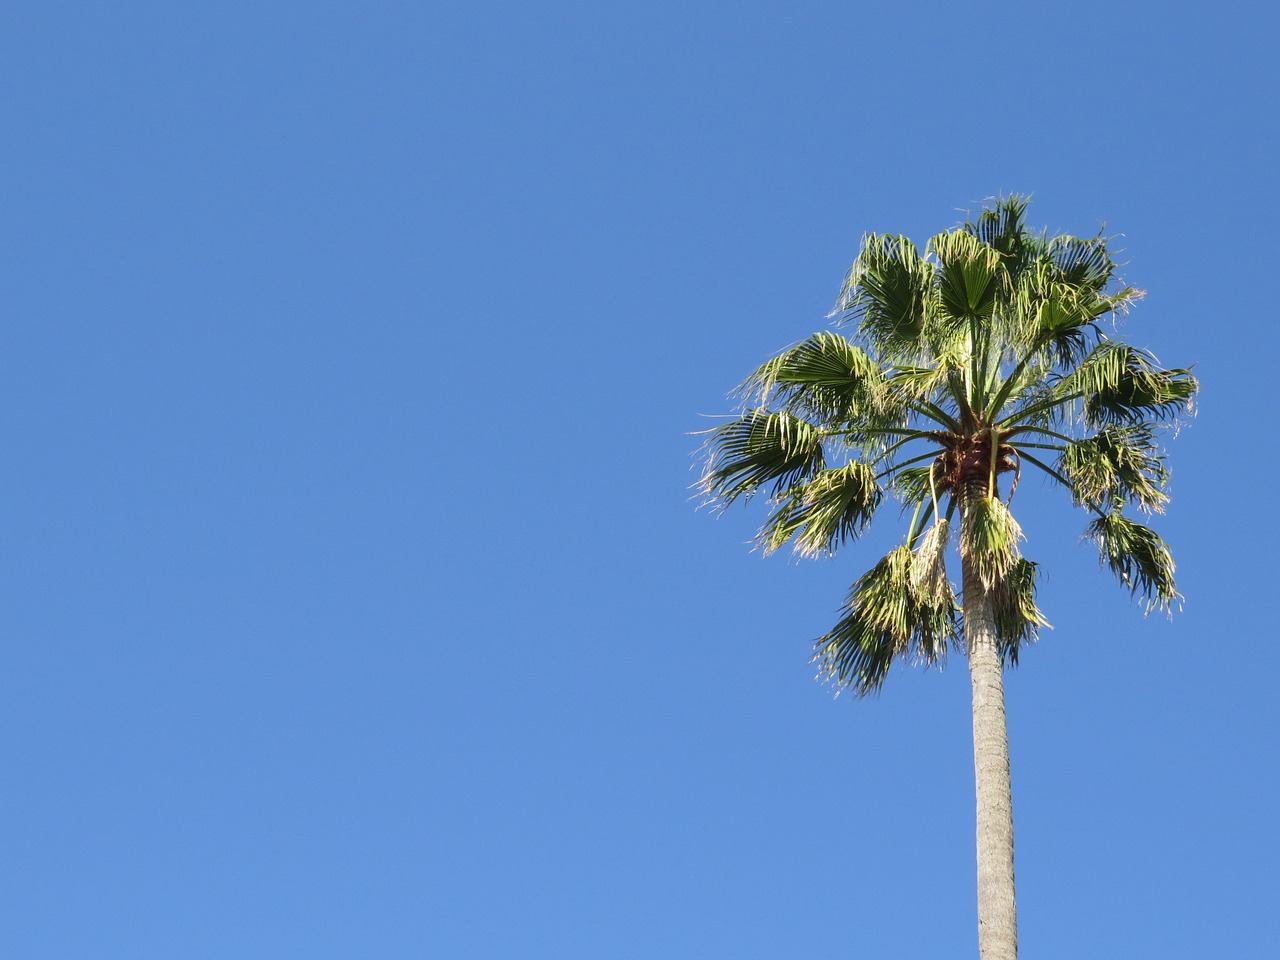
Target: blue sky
{"x":354,"y":602}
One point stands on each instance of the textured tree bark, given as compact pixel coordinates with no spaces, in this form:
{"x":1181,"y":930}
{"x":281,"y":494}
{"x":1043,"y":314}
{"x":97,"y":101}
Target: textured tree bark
{"x":997,"y":909}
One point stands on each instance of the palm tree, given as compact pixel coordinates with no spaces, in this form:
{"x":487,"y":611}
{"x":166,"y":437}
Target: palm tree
{"x":988,"y":354}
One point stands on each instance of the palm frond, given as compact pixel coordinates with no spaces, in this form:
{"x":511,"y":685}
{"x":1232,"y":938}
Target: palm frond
{"x":760,"y":449}
{"x":1084,"y":263}
{"x":1118,"y":462}
{"x":946,"y":359}
{"x":989,"y":538}
{"x":884,"y":619}
{"x":967,"y":273}
{"x":1118,"y":383}
{"x":830,"y":508}
{"x":1057,"y":308}
{"x":1053,"y":317}
{"x":886,"y":293}
{"x":1013,"y":603}
{"x":1002,"y":226}
{"x":1136,"y":554}
{"x":919,"y":381}
{"x":825,"y":376}
{"x":929,"y":567}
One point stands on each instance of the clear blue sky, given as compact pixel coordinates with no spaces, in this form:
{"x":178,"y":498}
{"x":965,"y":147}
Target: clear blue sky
{"x":353,"y":601}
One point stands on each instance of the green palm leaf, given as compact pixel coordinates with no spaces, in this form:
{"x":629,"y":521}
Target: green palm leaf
{"x":825,"y":376}
{"x":1002,"y":227}
{"x":886,"y":294}
{"x":1118,"y":462}
{"x":967,"y":275}
{"x":1137,"y":555}
{"x":1085,"y":264}
{"x":1013,"y":603}
{"x":1123,"y":384}
{"x":831,"y":508}
{"x":760,"y":449}
{"x":989,"y":538}
{"x":884,"y":619}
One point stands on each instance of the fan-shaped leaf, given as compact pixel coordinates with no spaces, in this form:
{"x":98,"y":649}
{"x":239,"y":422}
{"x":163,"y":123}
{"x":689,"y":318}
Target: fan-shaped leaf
{"x":967,"y":272}
{"x":760,"y":449}
{"x":989,"y":538}
{"x":1119,"y":461}
{"x":1137,"y":555}
{"x":825,"y":376}
{"x":1122,"y":384}
{"x":886,"y":293}
{"x":1013,"y":604}
{"x":1001,"y":226}
{"x":831,"y":508}
{"x":1083,"y":263}
{"x":883,"y":620}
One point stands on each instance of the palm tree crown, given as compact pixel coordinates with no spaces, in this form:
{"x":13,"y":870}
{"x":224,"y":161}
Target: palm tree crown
{"x":985,"y":355}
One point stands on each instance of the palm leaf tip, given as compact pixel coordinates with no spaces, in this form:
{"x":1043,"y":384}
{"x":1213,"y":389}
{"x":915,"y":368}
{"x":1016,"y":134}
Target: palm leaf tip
{"x":759,"y":450}
{"x":885,"y":618}
{"x":833,"y":507}
{"x":1083,"y":262}
{"x":1138,"y":557}
{"x":1120,"y":462}
{"x":1017,"y":618}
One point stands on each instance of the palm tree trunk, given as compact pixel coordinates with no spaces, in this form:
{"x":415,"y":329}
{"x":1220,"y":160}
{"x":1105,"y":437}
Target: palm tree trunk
{"x":997,"y":909}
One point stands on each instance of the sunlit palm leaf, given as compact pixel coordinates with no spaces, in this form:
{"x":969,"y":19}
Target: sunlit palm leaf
{"x":1084,"y":263}
{"x":1056,"y":317}
{"x":967,"y":270}
{"x":1119,"y":461}
{"x":1123,"y":384}
{"x":1013,"y":604}
{"x":826,"y":376}
{"x":927,"y":381}
{"x":830,"y":509}
{"x":884,"y":619}
{"x":989,"y":539}
{"x":886,"y":294}
{"x":1001,"y":226}
{"x":760,"y":449}
{"x":1137,"y":555}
